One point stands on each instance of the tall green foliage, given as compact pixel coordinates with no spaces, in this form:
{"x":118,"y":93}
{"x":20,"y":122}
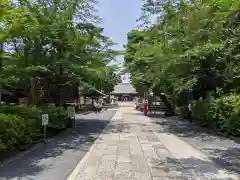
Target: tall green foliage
{"x":194,"y":44}
{"x":53,"y":44}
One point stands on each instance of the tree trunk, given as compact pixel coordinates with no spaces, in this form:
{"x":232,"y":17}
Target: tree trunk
{"x":32,"y":92}
{"x":170,"y":111}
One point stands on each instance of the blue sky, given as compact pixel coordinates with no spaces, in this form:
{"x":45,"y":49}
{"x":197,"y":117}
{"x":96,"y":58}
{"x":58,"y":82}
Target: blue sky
{"x":119,"y":17}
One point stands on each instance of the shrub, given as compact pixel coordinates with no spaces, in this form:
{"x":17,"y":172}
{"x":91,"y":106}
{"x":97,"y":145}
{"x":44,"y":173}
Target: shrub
{"x":58,"y":118}
{"x":225,"y":112}
{"x":199,"y":110}
{"x":57,"y":115}
{"x":222,"y":114}
{"x":30,"y":116}
{"x":182,"y":111}
{"x":14,"y":133}
{"x":20,"y":126}
{"x":23,"y":111}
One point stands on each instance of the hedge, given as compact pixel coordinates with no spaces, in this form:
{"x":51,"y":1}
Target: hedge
{"x":31,"y":116}
{"x":21,"y":126}
{"x":23,"y":111}
{"x":182,"y":111}
{"x":58,"y":118}
{"x":222,"y":114}
{"x":199,"y":111}
{"x":14,"y":133}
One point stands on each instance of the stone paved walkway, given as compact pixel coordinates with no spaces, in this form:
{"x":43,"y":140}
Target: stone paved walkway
{"x":131,"y":148}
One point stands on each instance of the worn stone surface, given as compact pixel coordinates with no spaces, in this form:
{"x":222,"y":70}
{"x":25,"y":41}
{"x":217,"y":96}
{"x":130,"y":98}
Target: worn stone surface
{"x":130,"y":147}
{"x":133,"y":148}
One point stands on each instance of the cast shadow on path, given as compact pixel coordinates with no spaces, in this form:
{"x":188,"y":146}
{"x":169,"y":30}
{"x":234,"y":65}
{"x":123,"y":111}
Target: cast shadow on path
{"x":60,"y":156}
{"x":223,"y":151}
{"x":188,"y":168}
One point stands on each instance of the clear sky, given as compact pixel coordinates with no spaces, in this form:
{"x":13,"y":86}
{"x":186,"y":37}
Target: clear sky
{"x":119,"y":17}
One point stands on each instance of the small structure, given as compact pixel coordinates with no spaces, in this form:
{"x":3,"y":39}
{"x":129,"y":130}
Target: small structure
{"x":124,"y":92}
{"x":88,"y":97}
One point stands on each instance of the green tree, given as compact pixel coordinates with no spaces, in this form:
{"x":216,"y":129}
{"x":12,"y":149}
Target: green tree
{"x":53,"y":46}
{"x":193,"y":45}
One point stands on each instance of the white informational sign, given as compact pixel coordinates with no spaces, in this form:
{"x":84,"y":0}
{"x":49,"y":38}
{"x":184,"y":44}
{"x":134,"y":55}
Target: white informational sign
{"x":81,"y":100}
{"x":88,"y":100}
{"x":45,"y":119}
{"x":71,"y":111}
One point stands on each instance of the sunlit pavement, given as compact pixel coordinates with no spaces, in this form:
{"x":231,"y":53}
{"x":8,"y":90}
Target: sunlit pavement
{"x":126,"y":104}
{"x":136,"y":147}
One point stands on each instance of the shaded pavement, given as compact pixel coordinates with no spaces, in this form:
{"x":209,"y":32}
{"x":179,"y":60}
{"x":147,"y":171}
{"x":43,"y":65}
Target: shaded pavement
{"x":136,"y":147}
{"x":223,"y":151}
{"x":129,"y":147}
{"x":57,"y":159}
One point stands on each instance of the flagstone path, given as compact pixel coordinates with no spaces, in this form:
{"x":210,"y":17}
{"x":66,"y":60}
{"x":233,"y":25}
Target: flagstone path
{"x":133,"y":147}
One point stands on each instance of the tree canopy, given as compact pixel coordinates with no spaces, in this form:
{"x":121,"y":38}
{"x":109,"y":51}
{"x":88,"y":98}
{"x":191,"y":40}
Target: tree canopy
{"x":53,"y":45}
{"x":193,"y":44}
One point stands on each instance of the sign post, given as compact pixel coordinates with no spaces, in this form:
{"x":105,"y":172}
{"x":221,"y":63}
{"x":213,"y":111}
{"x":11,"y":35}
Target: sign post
{"x":44,"y":124}
{"x":71,"y":113}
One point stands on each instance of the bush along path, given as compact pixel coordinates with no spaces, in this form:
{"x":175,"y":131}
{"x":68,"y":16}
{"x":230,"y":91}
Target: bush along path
{"x":21,"y":127}
{"x":221,"y":114}
{"x":57,"y":158}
